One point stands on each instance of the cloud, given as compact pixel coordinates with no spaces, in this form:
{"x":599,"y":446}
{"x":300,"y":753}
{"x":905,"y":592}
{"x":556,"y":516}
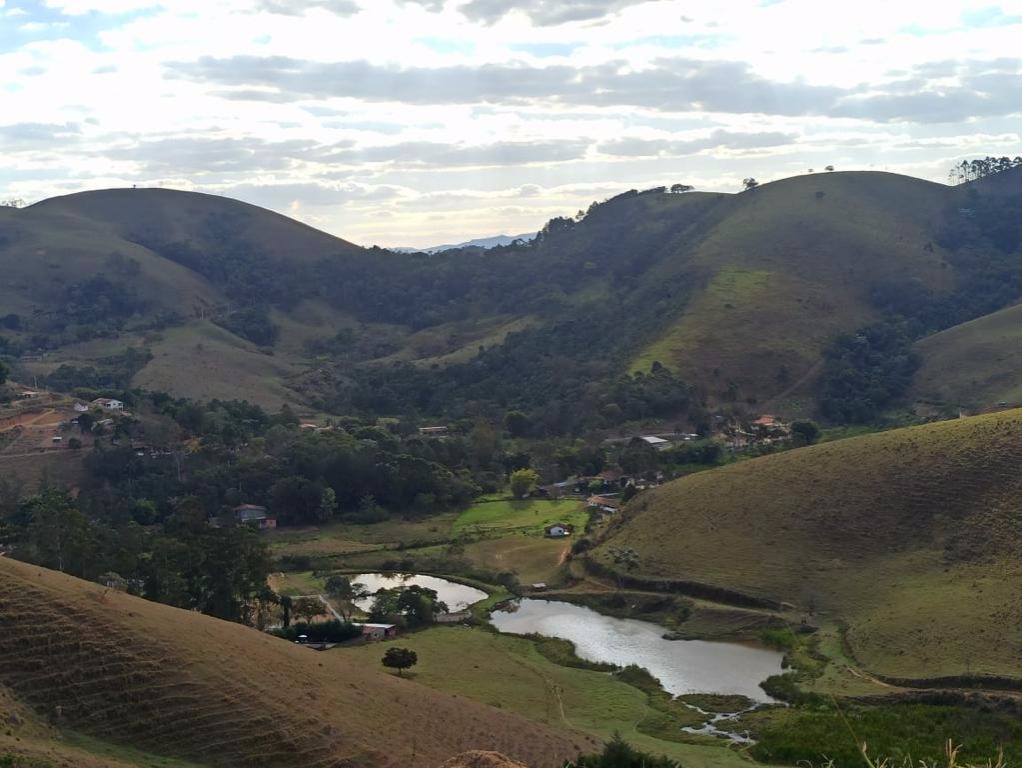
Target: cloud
{"x":190,"y":155}
{"x":35,"y":136}
{"x":636,"y":147}
{"x":289,"y":195}
{"x":301,"y":7}
{"x":674,"y":84}
{"x":545,"y":13}
{"x":434,"y":154}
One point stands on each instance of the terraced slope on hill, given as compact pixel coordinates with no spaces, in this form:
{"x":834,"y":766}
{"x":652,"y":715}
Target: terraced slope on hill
{"x":910,"y":537}
{"x":180,"y":684}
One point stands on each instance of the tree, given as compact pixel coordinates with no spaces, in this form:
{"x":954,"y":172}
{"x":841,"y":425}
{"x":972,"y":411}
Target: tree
{"x":286,"y":604}
{"x":829,"y":168}
{"x":4,"y":371}
{"x":400,"y":659}
{"x":345,"y":594}
{"x":619,"y":754}
{"x":523,"y":481}
{"x":307,"y":608}
{"x":805,"y":432}
{"x":327,"y":504}
{"x":749,"y":183}
{"x":679,"y":188}
{"x":516,"y":423}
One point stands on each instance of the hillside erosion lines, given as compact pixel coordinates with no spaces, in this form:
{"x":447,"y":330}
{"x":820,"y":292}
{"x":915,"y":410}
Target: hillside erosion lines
{"x":180,"y":684}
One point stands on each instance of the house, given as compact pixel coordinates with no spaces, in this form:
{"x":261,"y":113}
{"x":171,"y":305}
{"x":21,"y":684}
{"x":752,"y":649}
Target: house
{"x":108,"y":404}
{"x":558,"y":530}
{"x":604,"y":503}
{"x":377,"y":631}
{"x":253,"y":514}
{"x":433,"y":431}
{"x":657,"y":442}
{"x":81,"y":408}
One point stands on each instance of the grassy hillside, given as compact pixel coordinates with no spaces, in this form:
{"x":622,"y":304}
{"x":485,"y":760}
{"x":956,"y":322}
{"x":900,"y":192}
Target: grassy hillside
{"x":738,"y":294}
{"x":788,"y":266}
{"x":175,"y":683}
{"x":910,"y":537}
{"x":973,"y":365}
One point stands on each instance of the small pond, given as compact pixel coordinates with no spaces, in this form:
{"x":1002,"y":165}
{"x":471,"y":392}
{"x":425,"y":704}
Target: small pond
{"x":682,"y":666}
{"x":456,"y":596}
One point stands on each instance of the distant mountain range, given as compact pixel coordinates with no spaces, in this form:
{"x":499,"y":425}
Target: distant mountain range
{"x":479,"y":242}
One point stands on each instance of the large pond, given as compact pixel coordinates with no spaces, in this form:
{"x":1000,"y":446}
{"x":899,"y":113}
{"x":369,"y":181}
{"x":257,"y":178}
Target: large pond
{"x":682,"y":666}
{"x":456,"y":596}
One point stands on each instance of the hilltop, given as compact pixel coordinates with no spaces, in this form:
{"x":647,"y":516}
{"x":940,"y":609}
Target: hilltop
{"x":739,"y":295}
{"x":908,"y":537}
{"x":76,"y":657}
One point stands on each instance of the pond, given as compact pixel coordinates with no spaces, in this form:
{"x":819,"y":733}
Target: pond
{"x":456,"y":596}
{"x":682,"y":666}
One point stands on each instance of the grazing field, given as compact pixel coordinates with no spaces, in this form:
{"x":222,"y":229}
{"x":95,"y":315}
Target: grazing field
{"x":533,"y":560}
{"x":509,"y":672}
{"x":175,"y":683}
{"x":973,"y":365}
{"x":498,"y":536}
{"x":911,"y":537}
{"x":526,"y":517}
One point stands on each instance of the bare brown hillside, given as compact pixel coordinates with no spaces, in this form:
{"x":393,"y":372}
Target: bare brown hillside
{"x":180,"y":684}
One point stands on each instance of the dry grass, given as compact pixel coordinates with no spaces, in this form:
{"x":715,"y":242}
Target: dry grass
{"x":176,"y":683}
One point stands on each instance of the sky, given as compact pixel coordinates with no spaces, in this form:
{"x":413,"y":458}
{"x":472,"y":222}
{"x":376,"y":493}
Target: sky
{"x":417,"y":122}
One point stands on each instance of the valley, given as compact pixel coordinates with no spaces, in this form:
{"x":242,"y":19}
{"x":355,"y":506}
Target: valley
{"x":735,"y":477}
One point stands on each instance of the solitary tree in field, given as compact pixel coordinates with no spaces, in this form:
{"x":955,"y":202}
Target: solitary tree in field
{"x":749,"y":183}
{"x":400,"y":659}
{"x":523,"y":481}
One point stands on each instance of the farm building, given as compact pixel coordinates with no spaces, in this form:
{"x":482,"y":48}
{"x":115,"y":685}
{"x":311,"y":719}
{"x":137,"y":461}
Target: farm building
{"x":604,"y":503}
{"x":108,"y":404}
{"x":252,"y":514}
{"x":377,"y":631}
{"x":433,"y":431}
{"x":558,"y":530}
{"x":657,"y":442}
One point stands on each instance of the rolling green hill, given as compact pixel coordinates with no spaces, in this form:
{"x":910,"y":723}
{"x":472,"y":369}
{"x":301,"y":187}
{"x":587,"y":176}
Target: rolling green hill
{"x":76,"y":658}
{"x":737,"y":294}
{"x":974,"y":365}
{"x":908,"y":537}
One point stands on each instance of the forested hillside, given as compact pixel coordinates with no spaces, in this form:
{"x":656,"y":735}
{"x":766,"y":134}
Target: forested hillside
{"x":812,"y":289}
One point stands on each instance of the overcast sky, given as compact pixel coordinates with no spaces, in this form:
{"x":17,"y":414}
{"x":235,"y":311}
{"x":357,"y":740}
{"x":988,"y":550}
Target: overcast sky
{"x":414,"y":122}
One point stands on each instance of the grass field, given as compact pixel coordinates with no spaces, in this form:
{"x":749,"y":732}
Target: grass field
{"x":528,"y":517}
{"x":178,"y":684}
{"x":909,"y":536}
{"x":973,"y":365}
{"x":498,"y":536}
{"x":510,"y":673}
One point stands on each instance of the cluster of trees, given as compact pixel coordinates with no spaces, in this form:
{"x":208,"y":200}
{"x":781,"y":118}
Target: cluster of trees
{"x":871,"y":369}
{"x":972,"y":170}
{"x":866,"y":371}
{"x":617,"y":753}
{"x":185,"y":563}
{"x":410,"y":606}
